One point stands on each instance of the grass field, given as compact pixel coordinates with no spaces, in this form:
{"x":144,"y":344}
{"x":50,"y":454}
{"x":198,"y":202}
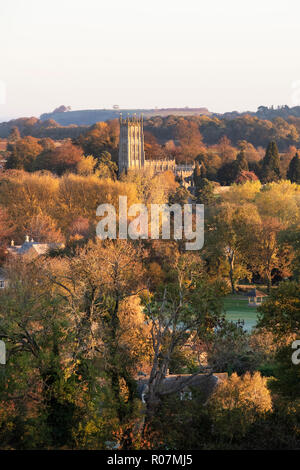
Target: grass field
{"x":237,"y":309}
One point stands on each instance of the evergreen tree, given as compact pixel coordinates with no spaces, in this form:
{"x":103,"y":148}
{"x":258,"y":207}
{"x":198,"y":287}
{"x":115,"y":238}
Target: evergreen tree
{"x":197,"y":174}
{"x":293,"y":173}
{"x":203,"y":171}
{"x":205,"y":192}
{"x":241,"y":162}
{"x":270,"y":170}
{"x":14,"y":134}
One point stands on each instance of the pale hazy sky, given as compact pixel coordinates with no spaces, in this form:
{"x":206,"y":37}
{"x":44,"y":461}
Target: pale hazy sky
{"x":221,"y":54}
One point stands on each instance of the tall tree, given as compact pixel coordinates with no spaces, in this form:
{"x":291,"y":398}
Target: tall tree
{"x":270,"y":170}
{"x":187,"y":306}
{"x":241,"y":161}
{"x":293,"y":172}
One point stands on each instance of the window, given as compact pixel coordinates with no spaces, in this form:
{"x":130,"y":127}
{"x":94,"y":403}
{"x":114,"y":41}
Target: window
{"x":186,"y":395}
{"x":2,"y":284}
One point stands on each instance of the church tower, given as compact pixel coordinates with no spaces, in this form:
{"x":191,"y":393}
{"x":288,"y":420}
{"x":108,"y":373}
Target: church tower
{"x":131,"y":146}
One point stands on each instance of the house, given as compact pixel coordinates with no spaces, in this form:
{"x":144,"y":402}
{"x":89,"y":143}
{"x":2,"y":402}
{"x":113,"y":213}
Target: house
{"x":255,"y":297}
{"x":32,"y":249}
{"x":29,"y":249}
{"x":203,"y":383}
{"x":3,"y":280}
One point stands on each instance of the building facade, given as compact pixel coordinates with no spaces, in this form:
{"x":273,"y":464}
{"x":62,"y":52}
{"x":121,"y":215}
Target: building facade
{"x":132,"y":154}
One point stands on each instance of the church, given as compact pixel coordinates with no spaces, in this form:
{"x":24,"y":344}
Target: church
{"x":132,"y":154}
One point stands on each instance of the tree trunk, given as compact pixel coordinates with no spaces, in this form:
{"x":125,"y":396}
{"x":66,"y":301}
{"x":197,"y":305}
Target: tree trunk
{"x":231,"y":274}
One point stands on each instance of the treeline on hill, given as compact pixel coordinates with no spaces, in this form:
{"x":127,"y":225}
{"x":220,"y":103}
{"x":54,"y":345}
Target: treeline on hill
{"x":81,"y":323}
{"x":64,"y":116}
{"x":227,"y":151}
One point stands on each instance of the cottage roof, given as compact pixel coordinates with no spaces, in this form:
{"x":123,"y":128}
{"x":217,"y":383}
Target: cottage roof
{"x":33,"y":247}
{"x":173,"y":383}
{"x":256,"y":293}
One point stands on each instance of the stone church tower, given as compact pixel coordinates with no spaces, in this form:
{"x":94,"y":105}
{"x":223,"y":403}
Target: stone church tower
{"x":131,"y":146}
{"x":132,"y":155}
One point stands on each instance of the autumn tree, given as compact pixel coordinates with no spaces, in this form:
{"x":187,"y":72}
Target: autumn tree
{"x":35,"y":331}
{"x":189,"y":136}
{"x":271,"y":256}
{"x":237,"y":403}
{"x":26,"y":195}
{"x":176,"y":312}
{"x":103,"y":136}
{"x":6,"y":227}
{"x":60,"y":159}
{"x":225,"y":150}
{"x":22,"y":153}
{"x":230,"y":238}
{"x":43,"y":229}
{"x":97,"y":285}
{"x":87,"y":165}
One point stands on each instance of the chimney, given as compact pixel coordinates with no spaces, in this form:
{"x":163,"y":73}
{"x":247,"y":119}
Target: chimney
{"x":32,"y":240}
{"x":12,"y":243}
{"x":27,"y":239}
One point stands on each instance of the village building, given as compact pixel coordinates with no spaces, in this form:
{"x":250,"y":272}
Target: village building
{"x":132,"y":154}
{"x":185,"y":386}
{"x":255,"y":297}
{"x":29,"y":249}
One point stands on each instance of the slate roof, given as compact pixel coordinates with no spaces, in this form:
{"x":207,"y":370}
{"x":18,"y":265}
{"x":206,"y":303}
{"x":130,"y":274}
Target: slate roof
{"x":34,"y":247}
{"x":256,"y":293}
{"x":171,"y":383}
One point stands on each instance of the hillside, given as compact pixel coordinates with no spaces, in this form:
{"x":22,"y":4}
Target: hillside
{"x":88,"y":117}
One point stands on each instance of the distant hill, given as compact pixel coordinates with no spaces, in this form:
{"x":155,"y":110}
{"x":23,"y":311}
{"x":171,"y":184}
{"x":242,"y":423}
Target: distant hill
{"x":89,"y":117}
{"x":65,"y":117}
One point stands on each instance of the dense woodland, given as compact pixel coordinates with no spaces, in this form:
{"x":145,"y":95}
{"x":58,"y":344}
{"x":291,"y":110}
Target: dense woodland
{"x":83,"y":321}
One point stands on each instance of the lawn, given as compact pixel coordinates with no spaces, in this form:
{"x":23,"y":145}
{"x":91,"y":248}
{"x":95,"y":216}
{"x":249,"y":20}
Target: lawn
{"x":237,"y":308}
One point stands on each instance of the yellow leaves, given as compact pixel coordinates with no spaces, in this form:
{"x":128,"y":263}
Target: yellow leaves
{"x":248,"y":391}
{"x":86,"y":165}
{"x":64,"y":199}
{"x":281,"y":200}
{"x":240,"y":193}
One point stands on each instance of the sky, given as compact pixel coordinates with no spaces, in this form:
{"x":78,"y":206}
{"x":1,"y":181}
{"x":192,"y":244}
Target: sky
{"x":223,"y":55}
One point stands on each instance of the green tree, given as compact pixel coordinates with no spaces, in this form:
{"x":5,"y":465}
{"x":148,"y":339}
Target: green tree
{"x":36,"y":332}
{"x":180,"y":196}
{"x":14,"y":135}
{"x":270,"y":170}
{"x":189,"y":304}
{"x":205,"y":192}
{"x":106,"y":167}
{"x":280,"y":313}
{"x":293,"y":172}
{"x":230,"y":238}
{"x":241,"y":161}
